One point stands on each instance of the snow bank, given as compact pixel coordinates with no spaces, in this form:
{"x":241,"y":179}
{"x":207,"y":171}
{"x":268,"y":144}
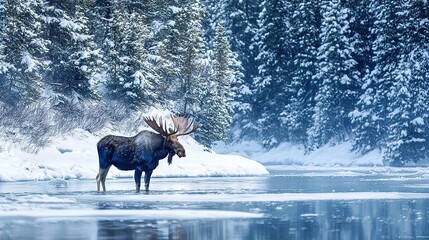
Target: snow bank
{"x":338,"y":155}
{"x":74,"y":156}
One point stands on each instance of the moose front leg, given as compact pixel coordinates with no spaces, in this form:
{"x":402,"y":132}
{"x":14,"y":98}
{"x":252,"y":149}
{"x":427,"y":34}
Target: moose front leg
{"x":147,"y":176}
{"x":137,"y":178}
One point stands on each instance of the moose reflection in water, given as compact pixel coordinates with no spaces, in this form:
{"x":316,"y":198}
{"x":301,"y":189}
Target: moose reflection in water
{"x":142,"y":152}
{"x":312,"y":220}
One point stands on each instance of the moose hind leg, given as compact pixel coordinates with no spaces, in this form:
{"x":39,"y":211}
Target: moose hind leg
{"x":147,"y":176}
{"x":97,"y":178}
{"x":101,"y":177}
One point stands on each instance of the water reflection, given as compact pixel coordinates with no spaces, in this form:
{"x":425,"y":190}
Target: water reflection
{"x":295,"y":220}
{"x":394,"y":219}
{"x":195,"y":229}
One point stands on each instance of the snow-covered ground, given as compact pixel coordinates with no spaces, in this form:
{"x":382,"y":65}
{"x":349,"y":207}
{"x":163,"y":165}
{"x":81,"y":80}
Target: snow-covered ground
{"x":74,"y":156}
{"x":338,"y":155}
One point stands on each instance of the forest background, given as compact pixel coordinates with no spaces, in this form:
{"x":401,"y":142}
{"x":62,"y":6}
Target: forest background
{"x":311,"y":73}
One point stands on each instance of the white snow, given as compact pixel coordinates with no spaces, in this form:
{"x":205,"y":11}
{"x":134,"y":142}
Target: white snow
{"x":418,"y":121}
{"x":286,"y":153}
{"x":28,"y":60}
{"x":69,"y":24}
{"x":175,"y":9}
{"x":74,"y":156}
{"x":385,"y":172}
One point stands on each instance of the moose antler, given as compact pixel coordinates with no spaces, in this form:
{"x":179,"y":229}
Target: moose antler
{"x":159,"y":127}
{"x":182,"y":125}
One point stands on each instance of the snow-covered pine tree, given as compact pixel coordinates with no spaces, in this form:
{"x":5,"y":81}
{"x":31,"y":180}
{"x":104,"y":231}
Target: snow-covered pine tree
{"x":100,"y":19}
{"x":370,"y":115}
{"x":360,"y":24}
{"x":214,"y":117}
{"x":190,"y":61}
{"x":400,"y":142}
{"x":305,"y":27}
{"x":164,"y":69}
{"x":241,"y":23}
{"x":240,"y":19}
{"x":140,"y":69}
{"x":160,"y":19}
{"x":22,"y":50}
{"x":361,"y":20}
{"x":3,"y":24}
{"x":87,"y":55}
{"x":75,"y":59}
{"x":222,"y":60}
{"x":127,"y":82}
{"x":337,"y":76}
{"x":272,"y":86}
{"x":407,"y":96}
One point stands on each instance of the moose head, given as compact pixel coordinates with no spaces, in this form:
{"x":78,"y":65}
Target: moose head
{"x":182,"y":126}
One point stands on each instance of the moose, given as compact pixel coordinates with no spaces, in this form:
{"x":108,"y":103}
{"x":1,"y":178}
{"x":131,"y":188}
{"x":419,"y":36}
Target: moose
{"x":142,"y":152}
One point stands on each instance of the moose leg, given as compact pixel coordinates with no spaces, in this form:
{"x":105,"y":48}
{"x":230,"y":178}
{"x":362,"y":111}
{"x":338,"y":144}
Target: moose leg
{"x":137,"y":178}
{"x":147,"y":176}
{"x":101,"y":177}
{"x":98,"y":181}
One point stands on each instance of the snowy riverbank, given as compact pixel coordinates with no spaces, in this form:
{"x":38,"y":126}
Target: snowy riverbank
{"x":74,"y":156}
{"x":288,"y":154}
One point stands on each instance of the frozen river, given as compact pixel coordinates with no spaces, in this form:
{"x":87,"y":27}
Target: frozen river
{"x":290,"y":203}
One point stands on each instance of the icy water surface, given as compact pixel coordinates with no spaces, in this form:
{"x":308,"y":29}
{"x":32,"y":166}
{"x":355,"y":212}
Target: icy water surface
{"x":291,"y":203}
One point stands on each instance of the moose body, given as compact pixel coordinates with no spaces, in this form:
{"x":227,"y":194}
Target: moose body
{"x":140,"y":153}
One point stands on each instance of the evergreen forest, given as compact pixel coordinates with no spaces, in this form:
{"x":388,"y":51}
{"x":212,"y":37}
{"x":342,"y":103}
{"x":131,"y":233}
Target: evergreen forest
{"x":312,"y":73}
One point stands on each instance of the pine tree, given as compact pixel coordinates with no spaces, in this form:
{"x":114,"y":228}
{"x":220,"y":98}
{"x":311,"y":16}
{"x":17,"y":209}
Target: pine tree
{"x":240,"y":21}
{"x":399,"y":142}
{"x":129,"y":74}
{"x":3,"y":27}
{"x":215,"y":116}
{"x":360,"y":23}
{"x":101,"y":18}
{"x":305,"y":27}
{"x":392,"y":112}
{"x":241,"y":24}
{"x":407,"y":97}
{"x":160,"y":17}
{"x":337,"y":77}
{"x":22,"y":48}
{"x":88,"y":57}
{"x":74,"y":56}
{"x":190,"y":64}
{"x":369,"y":118}
{"x":272,"y":92}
